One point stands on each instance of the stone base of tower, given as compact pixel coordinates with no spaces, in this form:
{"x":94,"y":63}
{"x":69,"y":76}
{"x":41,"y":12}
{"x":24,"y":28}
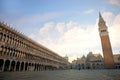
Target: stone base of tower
{"x":109,"y":66}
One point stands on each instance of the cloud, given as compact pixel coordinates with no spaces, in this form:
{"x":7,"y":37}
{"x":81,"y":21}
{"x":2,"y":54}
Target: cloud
{"x":115,"y":2}
{"x":89,"y":11}
{"x":60,"y":27}
{"x":114,"y":31}
{"x":74,"y":41}
{"x":46,"y":28}
{"x":109,"y":17}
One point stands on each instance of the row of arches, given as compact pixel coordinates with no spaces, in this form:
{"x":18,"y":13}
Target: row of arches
{"x":11,"y":65}
{"x":10,"y":52}
{"x":91,"y":66}
{"x":95,"y":66}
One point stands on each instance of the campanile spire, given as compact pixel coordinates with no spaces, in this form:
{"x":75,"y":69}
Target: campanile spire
{"x":101,"y":20}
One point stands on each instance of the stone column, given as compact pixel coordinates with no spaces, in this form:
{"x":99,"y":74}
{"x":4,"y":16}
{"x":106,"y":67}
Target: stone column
{"x":24,"y":67}
{"x":40,"y":67}
{"x":15,"y":66}
{"x":20,"y":66}
{"x":3,"y":67}
{"x":9,"y":66}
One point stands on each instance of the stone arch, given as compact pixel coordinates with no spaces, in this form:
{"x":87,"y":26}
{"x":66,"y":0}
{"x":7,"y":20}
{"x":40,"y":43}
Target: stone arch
{"x":13,"y":63}
{"x":30,"y":64}
{"x":88,"y":66}
{"x":7,"y":64}
{"x":10,"y":52}
{"x":13,"y":52}
{"x":119,"y":66}
{"x":45,"y":67}
{"x":1,"y":35}
{"x":3,"y":38}
{"x":17,"y":66}
{"x":83,"y":66}
{"x":22,"y":66}
{"x":1,"y":50}
{"x":1,"y":64}
{"x":35,"y":67}
{"x":93,"y":65}
{"x":40,"y":67}
{"x":97,"y":66}
{"x":19,"y":54}
{"x":5,"y":49}
{"x":26,"y":66}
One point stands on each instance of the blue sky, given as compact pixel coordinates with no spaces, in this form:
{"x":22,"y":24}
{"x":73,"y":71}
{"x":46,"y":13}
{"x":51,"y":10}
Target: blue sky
{"x":53,"y":23}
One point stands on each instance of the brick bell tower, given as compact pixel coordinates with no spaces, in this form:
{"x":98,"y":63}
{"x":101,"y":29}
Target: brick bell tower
{"x":106,"y":45}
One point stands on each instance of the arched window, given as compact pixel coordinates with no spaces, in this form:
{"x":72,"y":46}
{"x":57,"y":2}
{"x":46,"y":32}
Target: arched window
{"x":1,"y":36}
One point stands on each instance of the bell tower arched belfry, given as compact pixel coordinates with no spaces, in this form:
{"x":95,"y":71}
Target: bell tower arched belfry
{"x":106,"y":45}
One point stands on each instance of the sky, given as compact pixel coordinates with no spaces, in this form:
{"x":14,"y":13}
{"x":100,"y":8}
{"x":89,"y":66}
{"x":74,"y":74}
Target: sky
{"x":67,"y":27}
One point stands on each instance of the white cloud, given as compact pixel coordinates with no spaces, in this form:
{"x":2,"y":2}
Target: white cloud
{"x":114,"y":31}
{"x":60,"y":27}
{"x":117,"y":20}
{"x":76,"y":40}
{"x":46,"y":28}
{"x":89,"y":11}
{"x":115,"y":2}
{"x":108,"y":16}
{"x":63,"y":27}
{"x":71,"y":24}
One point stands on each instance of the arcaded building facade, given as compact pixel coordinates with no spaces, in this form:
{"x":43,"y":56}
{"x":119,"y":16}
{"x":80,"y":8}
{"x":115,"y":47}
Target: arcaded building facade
{"x":117,"y":61}
{"x":94,"y":61}
{"x":91,"y":61}
{"x":20,"y":53}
